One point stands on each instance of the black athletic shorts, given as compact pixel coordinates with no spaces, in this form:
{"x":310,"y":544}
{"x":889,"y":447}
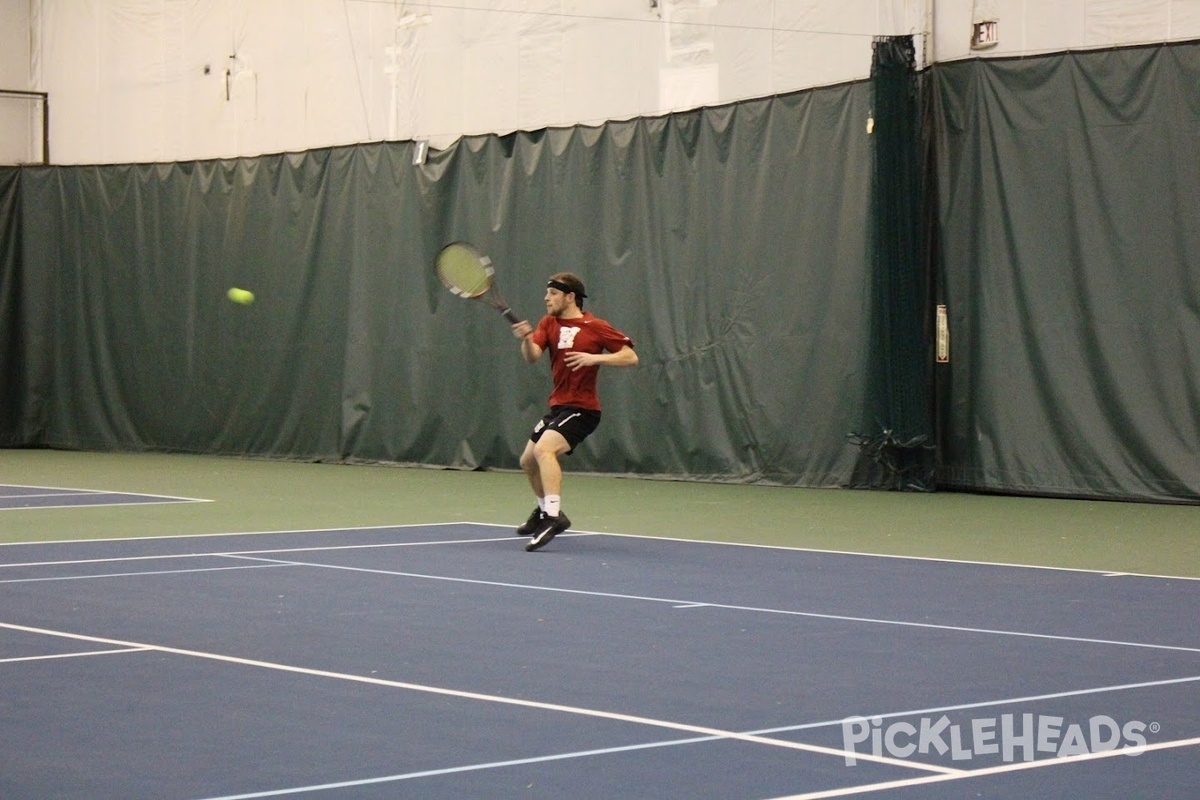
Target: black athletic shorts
{"x":575,"y":424}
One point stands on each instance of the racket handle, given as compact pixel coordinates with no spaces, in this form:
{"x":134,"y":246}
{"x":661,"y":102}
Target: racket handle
{"x":510,"y":315}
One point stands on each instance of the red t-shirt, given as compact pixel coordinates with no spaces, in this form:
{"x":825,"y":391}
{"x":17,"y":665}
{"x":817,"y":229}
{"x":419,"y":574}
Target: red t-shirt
{"x":587,"y":334}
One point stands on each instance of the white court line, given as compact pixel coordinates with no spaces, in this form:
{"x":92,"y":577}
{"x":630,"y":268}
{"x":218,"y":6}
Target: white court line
{"x":75,"y":655}
{"x":51,"y":488}
{"x":82,"y":493}
{"x":244,"y":533}
{"x":997,"y":770}
{"x":93,"y":505}
{"x":107,"y":504}
{"x":815,"y":550}
{"x":731,"y":607}
{"x":716,"y":733}
{"x":312,"y":549}
{"x":134,"y":574}
{"x":68,"y":491}
{"x":891,"y":556}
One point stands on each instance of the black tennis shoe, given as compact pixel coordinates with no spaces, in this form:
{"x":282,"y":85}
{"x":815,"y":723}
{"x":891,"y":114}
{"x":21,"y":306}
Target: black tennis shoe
{"x":530,"y":526}
{"x":550,"y":527}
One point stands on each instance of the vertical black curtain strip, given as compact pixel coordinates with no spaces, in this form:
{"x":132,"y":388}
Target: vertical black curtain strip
{"x":11,"y":319}
{"x":896,"y":438}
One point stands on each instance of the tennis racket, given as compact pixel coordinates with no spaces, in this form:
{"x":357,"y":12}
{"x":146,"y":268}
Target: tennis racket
{"x":469,"y":273}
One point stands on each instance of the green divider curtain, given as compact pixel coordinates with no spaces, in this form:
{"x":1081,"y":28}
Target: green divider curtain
{"x":729,"y":243}
{"x":1070,"y":223}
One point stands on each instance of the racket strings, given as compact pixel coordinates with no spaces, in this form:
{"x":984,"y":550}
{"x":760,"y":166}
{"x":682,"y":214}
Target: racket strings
{"x":464,"y":273}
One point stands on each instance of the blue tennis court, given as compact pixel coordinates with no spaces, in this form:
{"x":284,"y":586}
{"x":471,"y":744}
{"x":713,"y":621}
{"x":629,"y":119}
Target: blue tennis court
{"x":444,"y":661}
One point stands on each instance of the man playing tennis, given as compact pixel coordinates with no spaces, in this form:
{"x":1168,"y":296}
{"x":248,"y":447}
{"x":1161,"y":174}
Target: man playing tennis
{"x":579,"y":344}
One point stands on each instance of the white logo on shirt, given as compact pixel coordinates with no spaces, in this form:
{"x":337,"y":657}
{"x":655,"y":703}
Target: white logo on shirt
{"x":566,"y":338}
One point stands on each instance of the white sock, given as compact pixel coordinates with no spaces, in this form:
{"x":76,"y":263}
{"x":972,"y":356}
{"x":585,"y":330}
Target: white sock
{"x":551,"y":505}
{"x":542,"y":504}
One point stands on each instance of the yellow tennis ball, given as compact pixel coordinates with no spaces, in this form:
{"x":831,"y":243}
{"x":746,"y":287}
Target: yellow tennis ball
{"x":241,"y":296}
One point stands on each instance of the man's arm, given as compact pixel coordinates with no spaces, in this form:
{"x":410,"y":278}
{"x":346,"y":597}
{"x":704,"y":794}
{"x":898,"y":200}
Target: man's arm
{"x":529,"y":351}
{"x":625,"y":357}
